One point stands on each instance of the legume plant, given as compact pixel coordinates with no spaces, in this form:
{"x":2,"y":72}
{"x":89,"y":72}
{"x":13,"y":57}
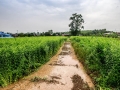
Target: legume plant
{"x":101,"y":56}
{"x":21,"y":56}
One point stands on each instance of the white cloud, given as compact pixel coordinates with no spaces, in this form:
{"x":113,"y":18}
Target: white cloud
{"x":42,"y":15}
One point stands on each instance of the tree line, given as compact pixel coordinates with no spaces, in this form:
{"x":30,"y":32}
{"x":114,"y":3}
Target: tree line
{"x":76,"y":26}
{"x":35,"y":34}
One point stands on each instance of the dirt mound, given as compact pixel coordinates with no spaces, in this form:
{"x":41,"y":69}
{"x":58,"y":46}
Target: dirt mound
{"x":78,"y":83}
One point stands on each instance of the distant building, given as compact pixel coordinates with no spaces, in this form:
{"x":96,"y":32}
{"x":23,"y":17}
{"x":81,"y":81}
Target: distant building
{"x":4,"y":35}
{"x":108,"y":33}
{"x":118,"y":33}
{"x":65,"y":33}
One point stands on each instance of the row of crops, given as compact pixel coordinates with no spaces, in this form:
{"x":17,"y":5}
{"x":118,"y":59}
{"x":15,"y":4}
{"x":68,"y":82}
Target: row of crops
{"x":21,"y":56}
{"x":101,"y":56}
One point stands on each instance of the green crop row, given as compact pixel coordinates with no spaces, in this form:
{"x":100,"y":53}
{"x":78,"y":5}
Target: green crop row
{"x":101,"y":56}
{"x":21,"y":56}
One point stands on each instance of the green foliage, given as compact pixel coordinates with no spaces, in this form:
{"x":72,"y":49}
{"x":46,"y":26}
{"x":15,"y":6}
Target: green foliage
{"x":95,"y":32}
{"x":21,"y":56}
{"x":113,"y":35}
{"x":102,"y":57}
{"x":76,"y":24}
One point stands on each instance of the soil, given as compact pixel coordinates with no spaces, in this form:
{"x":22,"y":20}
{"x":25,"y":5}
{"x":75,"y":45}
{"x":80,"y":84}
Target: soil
{"x":62,"y":72}
{"x":79,"y":84}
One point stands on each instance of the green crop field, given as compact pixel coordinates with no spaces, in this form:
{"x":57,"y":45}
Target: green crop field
{"x":101,"y":57}
{"x":21,"y":56}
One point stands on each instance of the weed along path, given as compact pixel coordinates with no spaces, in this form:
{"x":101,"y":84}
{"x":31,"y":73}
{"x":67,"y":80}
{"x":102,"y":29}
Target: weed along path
{"x":62,"y":72}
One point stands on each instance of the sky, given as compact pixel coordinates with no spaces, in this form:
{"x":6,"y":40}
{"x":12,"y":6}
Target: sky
{"x":43,"y":15}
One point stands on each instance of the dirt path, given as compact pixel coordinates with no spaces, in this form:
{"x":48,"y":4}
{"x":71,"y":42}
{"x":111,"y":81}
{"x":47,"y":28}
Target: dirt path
{"x":62,"y":72}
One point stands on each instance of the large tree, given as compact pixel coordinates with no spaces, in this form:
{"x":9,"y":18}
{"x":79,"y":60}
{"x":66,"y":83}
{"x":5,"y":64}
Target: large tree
{"x":76,"y":24}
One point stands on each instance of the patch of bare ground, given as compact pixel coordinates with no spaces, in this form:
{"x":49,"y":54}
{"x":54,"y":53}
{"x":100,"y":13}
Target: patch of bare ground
{"x":48,"y":81}
{"x":78,"y":83}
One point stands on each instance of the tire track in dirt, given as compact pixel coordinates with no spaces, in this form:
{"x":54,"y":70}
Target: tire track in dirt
{"x":62,"y":72}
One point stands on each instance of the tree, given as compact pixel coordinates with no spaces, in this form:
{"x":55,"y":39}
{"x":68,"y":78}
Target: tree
{"x":50,"y":32}
{"x":76,"y":24}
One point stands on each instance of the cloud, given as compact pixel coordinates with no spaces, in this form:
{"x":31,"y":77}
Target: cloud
{"x":42,"y":15}
{"x":97,"y":13}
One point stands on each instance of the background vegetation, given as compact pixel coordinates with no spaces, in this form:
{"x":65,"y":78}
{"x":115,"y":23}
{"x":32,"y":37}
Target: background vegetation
{"x":76,"y":24}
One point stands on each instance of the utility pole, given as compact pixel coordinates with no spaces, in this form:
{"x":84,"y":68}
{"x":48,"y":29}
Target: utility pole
{"x":37,"y":33}
{"x":17,"y":33}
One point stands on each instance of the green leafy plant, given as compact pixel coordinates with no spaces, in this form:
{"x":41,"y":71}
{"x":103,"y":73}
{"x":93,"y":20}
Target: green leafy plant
{"x":21,"y":56}
{"x":102,"y":58}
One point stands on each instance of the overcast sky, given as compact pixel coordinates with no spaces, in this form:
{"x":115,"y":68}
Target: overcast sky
{"x":43,"y":15}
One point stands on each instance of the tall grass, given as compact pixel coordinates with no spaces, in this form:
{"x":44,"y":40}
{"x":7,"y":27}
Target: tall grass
{"x":21,"y":56}
{"x":102,"y":57}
